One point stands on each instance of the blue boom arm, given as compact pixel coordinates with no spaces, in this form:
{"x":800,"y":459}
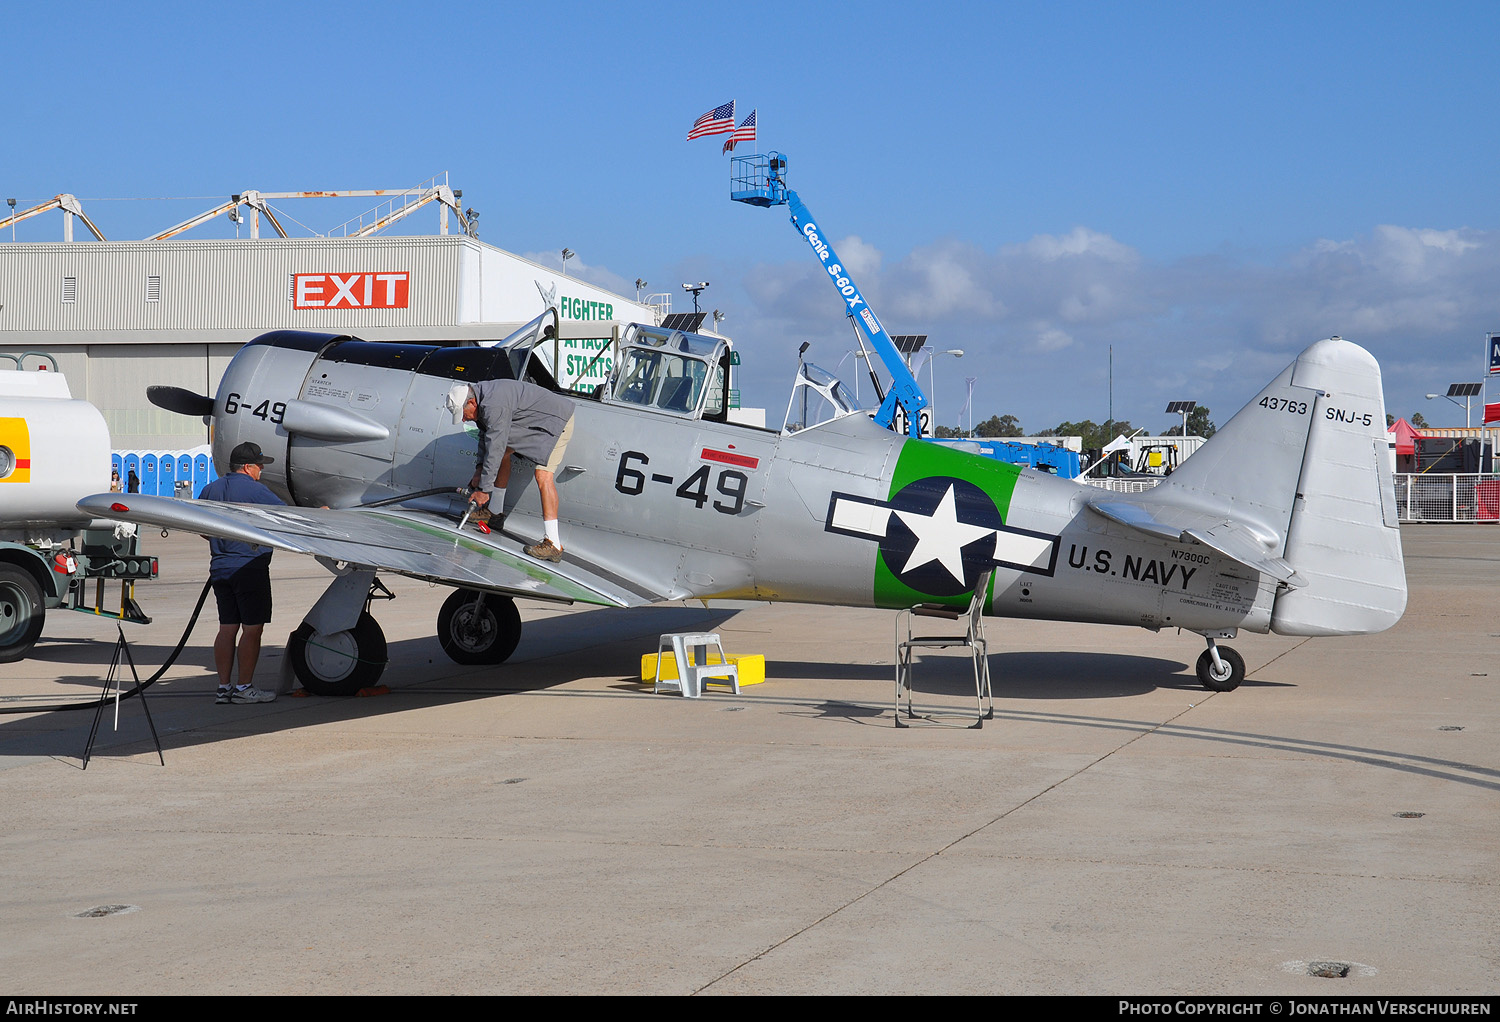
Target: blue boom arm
{"x":760,"y":180}
{"x":904,"y":389}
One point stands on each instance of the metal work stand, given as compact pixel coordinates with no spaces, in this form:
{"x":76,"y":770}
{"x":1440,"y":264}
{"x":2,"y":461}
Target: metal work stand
{"x":115,"y":679}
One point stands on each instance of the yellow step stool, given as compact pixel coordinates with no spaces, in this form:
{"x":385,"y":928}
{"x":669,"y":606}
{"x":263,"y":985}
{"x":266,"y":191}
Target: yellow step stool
{"x":752,"y":668}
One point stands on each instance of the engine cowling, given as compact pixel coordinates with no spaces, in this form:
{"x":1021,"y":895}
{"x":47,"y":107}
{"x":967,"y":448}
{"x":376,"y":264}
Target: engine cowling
{"x":350,"y":421}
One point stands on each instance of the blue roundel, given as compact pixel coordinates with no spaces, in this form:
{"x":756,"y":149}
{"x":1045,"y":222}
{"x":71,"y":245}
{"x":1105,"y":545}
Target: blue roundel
{"x":941,"y":535}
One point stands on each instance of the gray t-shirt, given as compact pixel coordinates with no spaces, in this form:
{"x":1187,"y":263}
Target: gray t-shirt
{"x":522,"y":416}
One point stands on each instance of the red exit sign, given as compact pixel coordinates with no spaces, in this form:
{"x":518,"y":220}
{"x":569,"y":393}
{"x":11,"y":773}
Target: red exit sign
{"x":387,"y":290}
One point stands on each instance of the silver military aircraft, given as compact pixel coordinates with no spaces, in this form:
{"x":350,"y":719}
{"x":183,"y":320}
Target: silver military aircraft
{"x":1284,"y":521}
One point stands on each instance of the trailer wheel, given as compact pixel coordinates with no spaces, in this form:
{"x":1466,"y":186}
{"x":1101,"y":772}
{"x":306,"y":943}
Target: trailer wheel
{"x":21,"y":613}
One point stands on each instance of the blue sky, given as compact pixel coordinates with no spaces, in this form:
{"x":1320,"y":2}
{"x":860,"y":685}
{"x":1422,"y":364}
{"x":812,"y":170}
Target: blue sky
{"x":1207,"y":187}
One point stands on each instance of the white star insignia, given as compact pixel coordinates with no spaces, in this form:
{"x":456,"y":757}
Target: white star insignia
{"x":941,"y":537}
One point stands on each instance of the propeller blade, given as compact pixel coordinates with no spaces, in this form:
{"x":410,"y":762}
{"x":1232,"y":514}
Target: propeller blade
{"x":177,"y":399}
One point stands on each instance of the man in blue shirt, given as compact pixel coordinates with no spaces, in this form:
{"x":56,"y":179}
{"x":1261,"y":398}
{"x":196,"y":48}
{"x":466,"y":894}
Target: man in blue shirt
{"x":241,"y":575}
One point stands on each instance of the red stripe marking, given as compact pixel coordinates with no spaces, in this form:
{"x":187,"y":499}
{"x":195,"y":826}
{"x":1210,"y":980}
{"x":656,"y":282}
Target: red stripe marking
{"x":743,"y":461}
{"x":23,"y":463}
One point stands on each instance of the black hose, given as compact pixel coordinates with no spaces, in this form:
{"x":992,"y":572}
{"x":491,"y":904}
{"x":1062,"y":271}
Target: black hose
{"x":451,"y":490}
{"x":140,"y":686}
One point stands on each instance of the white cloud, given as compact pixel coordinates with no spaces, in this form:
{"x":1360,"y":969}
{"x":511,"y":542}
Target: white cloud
{"x":1038,"y":318}
{"x":859,"y":258}
{"x":1052,"y":339}
{"x":600,"y":275}
{"x":1080,"y":241}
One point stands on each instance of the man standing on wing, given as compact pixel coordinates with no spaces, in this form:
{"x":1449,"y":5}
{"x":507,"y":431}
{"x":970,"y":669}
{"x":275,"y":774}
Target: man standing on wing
{"x":522,"y":418}
{"x":241,"y":574}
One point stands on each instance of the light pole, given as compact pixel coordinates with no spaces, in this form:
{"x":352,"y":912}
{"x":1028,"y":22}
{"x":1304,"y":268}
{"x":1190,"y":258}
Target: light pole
{"x":1183,"y":408}
{"x":1467,"y":391}
{"x":695,"y":290}
{"x":567,"y":254}
{"x":932,"y":382}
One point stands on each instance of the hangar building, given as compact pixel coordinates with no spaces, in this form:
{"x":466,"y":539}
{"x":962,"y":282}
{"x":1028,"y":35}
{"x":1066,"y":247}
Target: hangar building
{"x":120,"y":316}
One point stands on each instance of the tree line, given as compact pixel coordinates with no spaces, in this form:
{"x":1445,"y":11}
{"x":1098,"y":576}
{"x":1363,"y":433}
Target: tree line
{"x":1095,"y":434}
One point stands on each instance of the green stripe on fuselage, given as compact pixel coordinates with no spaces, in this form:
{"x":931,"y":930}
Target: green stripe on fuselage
{"x":919,"y":460}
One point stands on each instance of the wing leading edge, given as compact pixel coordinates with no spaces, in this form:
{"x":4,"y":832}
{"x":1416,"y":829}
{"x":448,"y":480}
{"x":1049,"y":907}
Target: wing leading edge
{"x":413,"y":543}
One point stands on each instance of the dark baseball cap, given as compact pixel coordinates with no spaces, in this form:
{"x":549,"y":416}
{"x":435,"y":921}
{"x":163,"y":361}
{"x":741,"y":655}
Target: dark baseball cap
{"x":248,"y":453}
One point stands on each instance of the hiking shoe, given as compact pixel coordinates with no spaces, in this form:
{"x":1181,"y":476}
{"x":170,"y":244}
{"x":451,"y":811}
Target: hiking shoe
{"x":221,"y":696}
{"x":251,"y":694}
{"x":543,"y":551}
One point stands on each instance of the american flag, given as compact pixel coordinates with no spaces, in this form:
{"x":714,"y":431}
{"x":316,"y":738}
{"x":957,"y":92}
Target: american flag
{"x":718,"y":121}
{"x":744,"y":133}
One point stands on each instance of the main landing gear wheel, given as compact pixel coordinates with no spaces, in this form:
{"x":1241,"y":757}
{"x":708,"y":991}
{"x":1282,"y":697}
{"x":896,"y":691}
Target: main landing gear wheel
{"x":478,"y":628}
{"x":21,"y":613}
{"x":342,"y":663}
{"x":1221,"y":679}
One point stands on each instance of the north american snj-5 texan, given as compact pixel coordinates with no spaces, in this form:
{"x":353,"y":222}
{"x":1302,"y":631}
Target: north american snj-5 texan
{"x":1283,"y":521}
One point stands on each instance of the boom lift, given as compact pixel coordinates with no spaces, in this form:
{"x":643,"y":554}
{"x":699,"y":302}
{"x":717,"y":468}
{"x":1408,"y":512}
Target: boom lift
{"x":760,"y":180}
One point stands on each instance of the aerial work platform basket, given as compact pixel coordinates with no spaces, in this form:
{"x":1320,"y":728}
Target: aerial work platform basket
{"x":759,"y":179}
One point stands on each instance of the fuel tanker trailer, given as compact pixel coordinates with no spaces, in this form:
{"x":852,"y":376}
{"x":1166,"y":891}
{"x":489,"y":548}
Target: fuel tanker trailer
{"x":53,"y":451}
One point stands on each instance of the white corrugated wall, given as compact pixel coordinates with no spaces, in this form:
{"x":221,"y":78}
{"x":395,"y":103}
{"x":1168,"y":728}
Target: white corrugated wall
{"x":219,"y":284}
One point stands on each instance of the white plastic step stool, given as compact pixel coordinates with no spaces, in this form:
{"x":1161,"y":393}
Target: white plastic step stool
{"x":692,"y":673}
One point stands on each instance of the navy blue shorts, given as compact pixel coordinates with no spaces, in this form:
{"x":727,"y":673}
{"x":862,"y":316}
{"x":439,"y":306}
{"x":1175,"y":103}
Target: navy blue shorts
{"x":245,"y":597}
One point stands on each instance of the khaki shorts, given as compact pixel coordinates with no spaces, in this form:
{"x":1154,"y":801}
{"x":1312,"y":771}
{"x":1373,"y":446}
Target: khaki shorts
{"x":555,"y":462}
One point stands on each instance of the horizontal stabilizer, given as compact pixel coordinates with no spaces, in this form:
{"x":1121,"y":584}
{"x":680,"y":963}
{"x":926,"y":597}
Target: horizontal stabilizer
{"x":418,"y":544}
{"x":1234,"y":540}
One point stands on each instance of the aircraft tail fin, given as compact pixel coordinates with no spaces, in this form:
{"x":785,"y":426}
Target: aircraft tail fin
{"x":1302,"y":483}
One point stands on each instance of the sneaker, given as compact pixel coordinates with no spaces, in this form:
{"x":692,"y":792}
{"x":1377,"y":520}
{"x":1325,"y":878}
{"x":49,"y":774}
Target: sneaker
{"x":543,"y":551}
{"x":221,"y":696}
{"x":251,"y":694}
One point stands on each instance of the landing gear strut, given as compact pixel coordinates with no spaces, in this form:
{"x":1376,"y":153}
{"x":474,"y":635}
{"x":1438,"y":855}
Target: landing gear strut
{"x":342,"y":663}
{"x":339,"y":647}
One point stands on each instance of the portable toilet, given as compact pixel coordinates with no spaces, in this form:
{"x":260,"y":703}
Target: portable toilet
{"x":117,"y":462}
{"x":203,"y":472}
{"x":132,"y":467}
{"x":150,"y":466}
{"x":166,"y":475}
{"x":184,"y":477}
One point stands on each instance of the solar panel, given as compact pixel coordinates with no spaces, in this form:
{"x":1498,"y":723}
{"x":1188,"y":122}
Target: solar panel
{"x":908,"y":343}
{"x":687,"y":322}
{"x":1181,"y":407}
{"x":1464,"y":390}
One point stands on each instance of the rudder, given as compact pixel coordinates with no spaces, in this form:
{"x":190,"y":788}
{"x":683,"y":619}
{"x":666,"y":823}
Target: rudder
{"x":1344,"y":538}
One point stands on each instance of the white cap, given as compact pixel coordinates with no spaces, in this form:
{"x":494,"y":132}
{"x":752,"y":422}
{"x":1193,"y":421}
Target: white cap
{"x":458,"y":396}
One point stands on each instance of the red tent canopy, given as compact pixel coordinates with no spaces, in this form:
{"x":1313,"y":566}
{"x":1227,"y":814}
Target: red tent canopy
{"x":1404,"y":434}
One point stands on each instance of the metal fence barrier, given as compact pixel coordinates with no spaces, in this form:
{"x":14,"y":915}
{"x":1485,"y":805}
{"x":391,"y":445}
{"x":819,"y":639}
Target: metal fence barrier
{"x":1420,"y":497}
{"x":1429,"y":497}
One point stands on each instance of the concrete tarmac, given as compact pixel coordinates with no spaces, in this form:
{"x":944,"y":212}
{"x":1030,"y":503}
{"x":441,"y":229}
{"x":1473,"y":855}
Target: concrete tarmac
{"x":550,"y":826}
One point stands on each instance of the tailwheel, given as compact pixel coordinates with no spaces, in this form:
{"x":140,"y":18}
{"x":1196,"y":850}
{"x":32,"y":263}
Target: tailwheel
{"x":478,"y":628}
{"x":1226,"y":675}
{"x":340,"y":663}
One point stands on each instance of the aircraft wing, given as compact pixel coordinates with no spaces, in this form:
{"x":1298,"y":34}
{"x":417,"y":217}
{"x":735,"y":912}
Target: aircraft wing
{"x":415,"y":543}
{"x":1235,"y":540}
